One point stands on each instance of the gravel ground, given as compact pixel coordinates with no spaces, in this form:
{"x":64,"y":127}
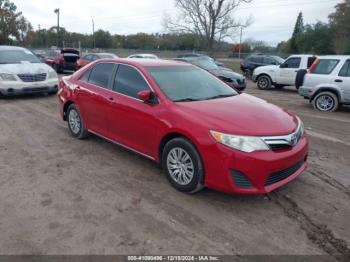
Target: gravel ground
{"x":60,"y":195}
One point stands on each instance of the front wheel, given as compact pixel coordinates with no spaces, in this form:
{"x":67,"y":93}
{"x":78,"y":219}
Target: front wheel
{"x":326,"y":102}
{"x":75,"y":122}
{"x":183,"y":166}
{"x":264,"y":82}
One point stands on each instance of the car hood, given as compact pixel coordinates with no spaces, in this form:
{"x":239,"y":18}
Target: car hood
{"x":227,"y":73}
{"x":268,"y":68}
{"x":25,"y":68}
{"x":241,"y":115}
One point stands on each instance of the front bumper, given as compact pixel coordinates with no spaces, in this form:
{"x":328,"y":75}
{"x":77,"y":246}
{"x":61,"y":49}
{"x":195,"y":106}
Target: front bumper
{"x":11,"y":88}
{"x":260,"y":172}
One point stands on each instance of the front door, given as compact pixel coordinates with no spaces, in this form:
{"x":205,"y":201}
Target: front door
{"x":288,"y":71}
{"x":131,"y":121}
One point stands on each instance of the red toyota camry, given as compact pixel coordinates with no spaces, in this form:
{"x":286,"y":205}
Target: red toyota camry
{"x":199,"y":129}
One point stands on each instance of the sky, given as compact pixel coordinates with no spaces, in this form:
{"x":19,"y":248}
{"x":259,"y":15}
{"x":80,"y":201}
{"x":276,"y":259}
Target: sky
{"x":272,"y":20}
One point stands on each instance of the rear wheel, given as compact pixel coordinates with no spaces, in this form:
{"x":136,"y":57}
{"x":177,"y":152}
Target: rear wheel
{"x":183,"y":166}
{"x":75,"y":122}
{"x":326,"y":102}
{"x":264,"y":82}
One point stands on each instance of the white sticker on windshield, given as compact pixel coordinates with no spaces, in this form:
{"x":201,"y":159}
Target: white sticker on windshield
{"x":25,"y":62}
{"x":27,"y":52}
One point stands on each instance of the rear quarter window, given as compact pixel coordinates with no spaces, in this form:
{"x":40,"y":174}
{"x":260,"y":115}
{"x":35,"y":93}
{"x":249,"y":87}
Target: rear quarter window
{"x":345,"y":71}
{"x":325,"y":66}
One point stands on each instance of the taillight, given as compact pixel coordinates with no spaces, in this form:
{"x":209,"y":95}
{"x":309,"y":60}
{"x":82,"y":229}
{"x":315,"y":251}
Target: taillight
{"x":313,"y":66}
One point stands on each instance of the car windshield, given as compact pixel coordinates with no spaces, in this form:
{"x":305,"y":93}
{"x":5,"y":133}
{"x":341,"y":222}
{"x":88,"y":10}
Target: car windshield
{"x":17,"y":57}
{"x":278,"y":59}
{"x":205,"y":63}
{"x":188,"y":83}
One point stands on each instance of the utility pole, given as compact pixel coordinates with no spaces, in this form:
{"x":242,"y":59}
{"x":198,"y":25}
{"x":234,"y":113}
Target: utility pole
{"x":93,"y":34}
{"x":57,"y":11}
{"x":240,"y":43}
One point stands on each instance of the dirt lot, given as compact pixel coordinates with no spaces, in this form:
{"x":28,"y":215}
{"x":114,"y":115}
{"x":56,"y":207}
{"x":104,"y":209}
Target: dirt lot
{"x":59,"y":195}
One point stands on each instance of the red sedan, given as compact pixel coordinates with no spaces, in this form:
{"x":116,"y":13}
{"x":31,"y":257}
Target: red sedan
{"x":199,"y":129}
{"x":88,"y":58}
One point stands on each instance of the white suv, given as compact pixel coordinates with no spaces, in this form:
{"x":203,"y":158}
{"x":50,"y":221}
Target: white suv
{"x":21,"y":72}
{"x":327,"y":84}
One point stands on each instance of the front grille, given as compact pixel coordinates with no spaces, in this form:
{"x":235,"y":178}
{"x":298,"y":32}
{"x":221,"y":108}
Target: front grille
{"x":281,"y":175}
{"x":32,"y":77}
{"x":39,"y":89}
{"x":240,"y":180}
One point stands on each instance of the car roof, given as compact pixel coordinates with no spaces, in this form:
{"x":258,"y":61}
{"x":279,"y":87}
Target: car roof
{"x":147,"y":62}
{"x":7,"y":47}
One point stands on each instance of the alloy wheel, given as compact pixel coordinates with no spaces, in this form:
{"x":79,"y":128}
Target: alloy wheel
{"x":74,"y":121}
{"x":325,"y":103}
{"x":180,"y":166}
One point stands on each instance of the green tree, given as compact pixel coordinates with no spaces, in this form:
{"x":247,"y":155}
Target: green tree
{"x":298,"y":30}
{"x":340,"y":24}
{"x":8,"y":21}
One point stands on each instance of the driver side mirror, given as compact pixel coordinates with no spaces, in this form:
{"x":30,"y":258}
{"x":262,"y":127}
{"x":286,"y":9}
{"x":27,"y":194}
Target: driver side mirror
{"x":147,"y":96}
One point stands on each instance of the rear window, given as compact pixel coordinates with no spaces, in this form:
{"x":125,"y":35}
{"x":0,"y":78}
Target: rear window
{"x":100,"y":74}
{"x":325,"y":66}
{"x":345,"y":71}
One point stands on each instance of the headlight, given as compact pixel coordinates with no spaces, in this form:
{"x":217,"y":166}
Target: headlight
{"x":301,"y":126}
{"x":52,"y":74}
{"x":7,"y":77}
{"x":246,"y":144}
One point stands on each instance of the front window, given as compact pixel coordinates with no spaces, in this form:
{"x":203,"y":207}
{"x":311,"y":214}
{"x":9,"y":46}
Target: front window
{"x":293,"y":62}
{"x":187,"y":83}
{"x":325,"y":66}
{"x":17,"y":57}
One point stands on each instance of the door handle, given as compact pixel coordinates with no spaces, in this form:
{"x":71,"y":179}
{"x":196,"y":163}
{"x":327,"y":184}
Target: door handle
{"x":338,"y":80}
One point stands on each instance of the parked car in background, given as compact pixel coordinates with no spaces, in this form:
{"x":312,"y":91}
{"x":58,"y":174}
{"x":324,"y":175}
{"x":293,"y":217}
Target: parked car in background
{"x":63,"y":59}
{"x":88,"y":58}
{"x":192,"y":55}
{"x":327,"y":84}
{"x":200,"y":130}
{"x":21,"y":72}
{"x":227,"y":75}
{"x":41,"y":54}
{"x":254,"y":61}
{"x":144,"y":56}
{"x":283,"y":74}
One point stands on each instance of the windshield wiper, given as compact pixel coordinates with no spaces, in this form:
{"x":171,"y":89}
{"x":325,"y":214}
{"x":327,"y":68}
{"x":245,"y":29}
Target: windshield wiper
{"x":187,"y":100}
{"x":219,"y":96}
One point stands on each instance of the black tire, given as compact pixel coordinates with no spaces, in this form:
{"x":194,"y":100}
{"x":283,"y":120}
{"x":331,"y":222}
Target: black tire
{"x":57,"y":68}
{"x":326,"y":102}
{"x":248,"y":74}
{"x":196,"y":182}
{"x":53,"y":92}
{"x":78,"y":129}
{"x":264,"y":82}
{"x":299,"y":80}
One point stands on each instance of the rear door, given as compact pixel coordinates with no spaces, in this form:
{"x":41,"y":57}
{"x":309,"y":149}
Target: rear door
{"x":94,"y":95}
{"x":288,"y":71}
{"x":343,"y":80}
